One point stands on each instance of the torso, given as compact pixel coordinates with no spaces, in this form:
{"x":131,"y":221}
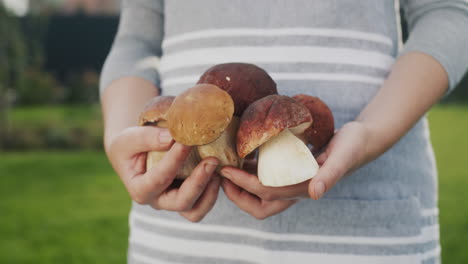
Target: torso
{"x":341,"y":51}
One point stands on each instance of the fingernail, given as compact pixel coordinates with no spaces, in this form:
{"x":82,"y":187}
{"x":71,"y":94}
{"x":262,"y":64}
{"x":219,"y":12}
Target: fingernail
{"x":165,"y":137}
{"x":210,"y":167}
{"x":319,"y":189}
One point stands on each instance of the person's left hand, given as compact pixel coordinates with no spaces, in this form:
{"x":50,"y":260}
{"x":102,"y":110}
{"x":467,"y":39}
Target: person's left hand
{"x":244,"y":189}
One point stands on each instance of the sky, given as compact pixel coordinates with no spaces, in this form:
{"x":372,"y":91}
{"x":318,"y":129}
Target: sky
{"x":18,"y":7}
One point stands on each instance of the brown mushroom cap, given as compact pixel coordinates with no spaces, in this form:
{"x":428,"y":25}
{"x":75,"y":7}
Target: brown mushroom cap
{"x":200,"y":115}
{"x":155,"y":110}
{"x":267,"y":118}
{"x":245,"y":83}
{"x":323,"y":128}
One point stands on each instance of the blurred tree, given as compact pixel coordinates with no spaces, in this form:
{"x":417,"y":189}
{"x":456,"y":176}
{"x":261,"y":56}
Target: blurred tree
{"x":37,"y":85}
{"x":12,"y":64}
{"x":35,"y":28}
{"x":83,"y":86}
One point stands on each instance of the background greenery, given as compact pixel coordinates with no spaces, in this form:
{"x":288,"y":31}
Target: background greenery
{"x":69,"y":207}
{"x":65,"y":127}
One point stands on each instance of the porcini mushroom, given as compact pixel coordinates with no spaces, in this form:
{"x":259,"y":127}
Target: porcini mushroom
{"x":245,"y":83}
{"x":201,"y":116}
{"x":276,"y":125}
{"x":323,"y":127}
{"x":155,"y":114}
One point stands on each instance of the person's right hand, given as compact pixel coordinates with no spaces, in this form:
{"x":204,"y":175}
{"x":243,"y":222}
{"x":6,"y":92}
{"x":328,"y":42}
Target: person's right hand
{"x":196,"y":195}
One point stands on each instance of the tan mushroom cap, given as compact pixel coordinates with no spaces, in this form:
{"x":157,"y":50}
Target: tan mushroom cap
{"x":245,"y":83}
{"x":267,"y":118}
{"x":200,"y":115}
{"x":323,"y":128}
{"x":155,"y":110}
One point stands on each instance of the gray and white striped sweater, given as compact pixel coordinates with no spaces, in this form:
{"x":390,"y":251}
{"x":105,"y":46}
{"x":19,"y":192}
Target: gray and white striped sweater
{"x":339,"y":50}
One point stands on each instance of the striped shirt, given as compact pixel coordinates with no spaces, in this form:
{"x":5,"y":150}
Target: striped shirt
{"x":339,"y":50}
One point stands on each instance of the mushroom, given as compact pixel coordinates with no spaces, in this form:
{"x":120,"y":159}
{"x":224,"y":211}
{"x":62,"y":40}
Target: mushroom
{"x":276,"y":125}
{"x":201,"y":116}
{"x":323,"y":127}
{"x":207,"y":115}
{"x":244,"y":82}
{"x":155,"y":114}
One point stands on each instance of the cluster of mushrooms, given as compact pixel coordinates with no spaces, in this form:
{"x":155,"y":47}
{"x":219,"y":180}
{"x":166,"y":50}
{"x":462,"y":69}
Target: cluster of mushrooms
{"x":234,"y":110}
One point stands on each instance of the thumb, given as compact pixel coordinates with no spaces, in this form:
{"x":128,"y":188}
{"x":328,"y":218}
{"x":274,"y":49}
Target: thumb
{"x":337,"y":163}
{"x":143,"y":139}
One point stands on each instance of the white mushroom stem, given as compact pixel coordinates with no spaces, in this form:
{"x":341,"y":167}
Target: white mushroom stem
{"x":285,"y":160}
{"x":153,"y":158}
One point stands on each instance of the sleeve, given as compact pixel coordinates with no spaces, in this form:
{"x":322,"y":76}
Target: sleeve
{"x":137,"y":43}
{"x":439,"y":28}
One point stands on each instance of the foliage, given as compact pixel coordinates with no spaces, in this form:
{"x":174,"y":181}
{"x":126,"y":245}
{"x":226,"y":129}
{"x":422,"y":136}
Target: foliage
{"x":35,"y":30}
{"x":44,"y":59}
{"x":21,"y":59}
{"x":56,"y":127}
{"x":12,"y":49}
{"x":12,"y":63}
{"x":82,"y":87}
{"x":36,"y":87}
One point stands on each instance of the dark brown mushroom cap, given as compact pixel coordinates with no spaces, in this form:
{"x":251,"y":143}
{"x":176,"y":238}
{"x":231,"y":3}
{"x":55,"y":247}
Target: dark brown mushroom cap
{"x":323,"y":128}
{"x":267,"y":118}
{"x":155,"y":110}
{"x":245,"y":83}
{"x":200,"y":115}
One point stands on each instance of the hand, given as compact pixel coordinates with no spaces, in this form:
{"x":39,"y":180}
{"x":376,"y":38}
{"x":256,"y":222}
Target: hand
{"x":196,"y":195}
{"x":245,"y":190}
{"x":347,"y":151}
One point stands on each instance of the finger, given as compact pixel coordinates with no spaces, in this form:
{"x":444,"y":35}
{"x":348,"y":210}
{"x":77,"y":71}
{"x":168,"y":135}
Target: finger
{"x":183,"y":198}
{"x":246,"y":181}
{"x":155,"y":181}
{"x":240,"y":197}
{"x":335,"y":165}
{"x":252,"y":184}
{"x":322,"y":158}
{"x":205,"y":203}
{"x":252,"y":204}
{"x":143,"y":139}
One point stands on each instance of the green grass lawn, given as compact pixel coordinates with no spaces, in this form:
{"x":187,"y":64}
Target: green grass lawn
{"x":69,"y":207}
{"x":61,"y":207}
{"x":449,"y":126}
